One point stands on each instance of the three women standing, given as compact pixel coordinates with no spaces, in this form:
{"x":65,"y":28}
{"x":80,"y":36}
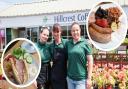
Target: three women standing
{"x":71,"y":59}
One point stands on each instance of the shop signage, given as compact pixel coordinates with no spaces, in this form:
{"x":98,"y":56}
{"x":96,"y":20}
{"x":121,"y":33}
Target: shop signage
{"x":65,"y":18}
{"x":48,"y":19}
{"x":79,"y":17}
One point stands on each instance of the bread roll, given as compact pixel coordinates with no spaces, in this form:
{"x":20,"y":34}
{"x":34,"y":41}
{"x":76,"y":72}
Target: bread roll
{"x":101,"y":29}
{"x":99,"y":37}
{"x":20,"y":70}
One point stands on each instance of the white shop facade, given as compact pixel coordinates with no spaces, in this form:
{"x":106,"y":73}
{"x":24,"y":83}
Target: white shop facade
{"x":28,"y":26}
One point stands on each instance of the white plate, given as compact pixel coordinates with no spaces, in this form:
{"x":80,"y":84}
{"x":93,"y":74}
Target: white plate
{"x":118,"y":36}
{"x":28,"y":47}
{"x":32,"y":70}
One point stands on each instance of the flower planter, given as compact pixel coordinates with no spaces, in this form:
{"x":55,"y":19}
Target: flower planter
{"x":109,"y":87}
{"x":101,"y":88}
{"x":0,"y":77}
{"x":95,"y":86}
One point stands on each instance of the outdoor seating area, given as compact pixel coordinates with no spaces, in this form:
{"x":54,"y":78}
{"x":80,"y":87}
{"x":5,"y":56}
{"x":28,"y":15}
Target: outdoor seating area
{"x":5,"y":85}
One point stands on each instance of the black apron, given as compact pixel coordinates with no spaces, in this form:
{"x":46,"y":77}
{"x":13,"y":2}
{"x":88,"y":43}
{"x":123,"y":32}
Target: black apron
{"x":44,"y":76}
{"x":59,"y":69}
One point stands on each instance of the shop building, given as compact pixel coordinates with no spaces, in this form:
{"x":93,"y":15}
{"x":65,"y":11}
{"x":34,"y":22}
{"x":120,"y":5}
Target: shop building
{"x":25,"y":20}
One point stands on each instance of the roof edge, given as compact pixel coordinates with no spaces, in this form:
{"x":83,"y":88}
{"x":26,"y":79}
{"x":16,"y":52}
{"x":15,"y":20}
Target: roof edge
{"x":73,"y":11}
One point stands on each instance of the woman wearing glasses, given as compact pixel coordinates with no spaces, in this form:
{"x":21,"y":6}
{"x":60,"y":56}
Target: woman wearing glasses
{"x":43,"y":80}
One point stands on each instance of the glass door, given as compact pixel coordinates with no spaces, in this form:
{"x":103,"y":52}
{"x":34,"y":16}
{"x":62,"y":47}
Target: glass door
{"x":32,"y":33}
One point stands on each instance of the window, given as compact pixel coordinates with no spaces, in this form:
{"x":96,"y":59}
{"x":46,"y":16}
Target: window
{"x":8,"y":35}
{"x":69,"y":32}
{"x":64,"y":32}
{"x":50,"y":34}
{"x":85,"y":34}
{"x":32,"y":33}
{"x":82,"y":29}
{"x":21,"y":32}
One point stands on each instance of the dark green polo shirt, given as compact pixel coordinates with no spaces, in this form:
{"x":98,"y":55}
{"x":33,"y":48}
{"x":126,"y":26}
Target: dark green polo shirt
{"x":61,"y":45}
{"x":77,"y":58}
{"x":44,"y":51}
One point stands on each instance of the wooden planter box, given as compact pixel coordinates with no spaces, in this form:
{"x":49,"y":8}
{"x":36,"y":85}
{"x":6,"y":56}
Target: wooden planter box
{"x":5,"y":85}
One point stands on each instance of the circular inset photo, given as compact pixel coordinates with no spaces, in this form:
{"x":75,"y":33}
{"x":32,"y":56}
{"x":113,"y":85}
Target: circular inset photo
{"x":20,"y":66}
{"x":106,"y":25}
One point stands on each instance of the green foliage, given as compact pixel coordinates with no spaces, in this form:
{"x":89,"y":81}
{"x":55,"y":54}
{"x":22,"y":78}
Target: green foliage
{"x":18,"y":52}
{"x":21,"y":54}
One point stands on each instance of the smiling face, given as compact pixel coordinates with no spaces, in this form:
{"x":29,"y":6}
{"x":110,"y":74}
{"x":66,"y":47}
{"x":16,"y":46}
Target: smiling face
{"x":44,"y":35}
{"x":56,"y":35}
{"x":75,"y":31}
{"x":56,"y":32}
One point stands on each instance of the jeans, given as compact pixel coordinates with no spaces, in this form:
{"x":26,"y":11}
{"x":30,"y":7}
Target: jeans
{"x":73,"y":84}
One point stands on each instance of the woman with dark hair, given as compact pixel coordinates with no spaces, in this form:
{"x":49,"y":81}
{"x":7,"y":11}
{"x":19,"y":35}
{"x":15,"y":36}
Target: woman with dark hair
{"x":43,"y":80}
{"x":79,"y":54}
{"x":57,"y":49}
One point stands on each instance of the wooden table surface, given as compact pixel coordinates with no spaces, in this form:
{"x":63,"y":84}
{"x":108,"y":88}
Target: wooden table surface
{"x":5,"y":85}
